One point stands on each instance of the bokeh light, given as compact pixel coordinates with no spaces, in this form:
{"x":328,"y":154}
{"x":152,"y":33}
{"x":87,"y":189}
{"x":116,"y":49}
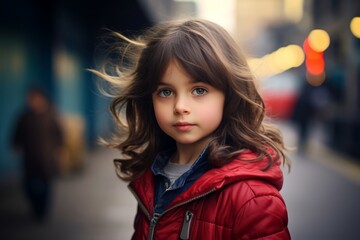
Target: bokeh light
{"x":282,"y":59}
{"x":355,"y":26}
{"x":314,"y":62}
{"x":319,"y":40}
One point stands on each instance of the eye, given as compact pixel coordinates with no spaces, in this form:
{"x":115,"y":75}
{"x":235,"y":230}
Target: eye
{"x":199,"y":91}
{"x":165,"y":93}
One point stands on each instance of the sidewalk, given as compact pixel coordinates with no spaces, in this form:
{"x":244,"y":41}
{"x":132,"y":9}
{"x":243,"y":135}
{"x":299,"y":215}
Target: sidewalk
{"x":322,"y":193}
{"x":91,"y":205}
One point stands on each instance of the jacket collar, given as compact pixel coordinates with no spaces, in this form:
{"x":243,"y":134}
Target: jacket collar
{"x":216,"y":178}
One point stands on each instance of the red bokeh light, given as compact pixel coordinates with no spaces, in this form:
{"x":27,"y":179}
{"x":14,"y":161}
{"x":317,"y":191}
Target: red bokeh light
{"x":315,"y":63}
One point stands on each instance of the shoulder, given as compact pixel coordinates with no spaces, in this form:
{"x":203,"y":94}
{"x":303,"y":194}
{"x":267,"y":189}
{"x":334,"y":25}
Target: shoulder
{"x":252,"y":209}
{"x":250,"y":190}
{"x":258,"y":210}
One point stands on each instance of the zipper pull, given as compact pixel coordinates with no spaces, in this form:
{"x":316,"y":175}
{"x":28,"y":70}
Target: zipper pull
{"x":153,"y":222}
{"x":185,"y":230}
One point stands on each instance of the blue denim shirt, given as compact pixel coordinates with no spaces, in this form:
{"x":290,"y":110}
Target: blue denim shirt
{"x":165,"y":194}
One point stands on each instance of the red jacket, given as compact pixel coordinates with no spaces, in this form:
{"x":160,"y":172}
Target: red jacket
{"x":236,"y":201}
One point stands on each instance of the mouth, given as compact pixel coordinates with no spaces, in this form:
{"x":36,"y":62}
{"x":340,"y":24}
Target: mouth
{"x":183,"y":126}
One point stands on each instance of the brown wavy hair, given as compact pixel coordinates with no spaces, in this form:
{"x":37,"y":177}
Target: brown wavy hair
{"x":208,"y":53}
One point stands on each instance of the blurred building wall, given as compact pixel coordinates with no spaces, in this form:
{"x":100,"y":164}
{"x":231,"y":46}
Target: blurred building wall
{"x":25,"y":59}
{"x":52,"y":43}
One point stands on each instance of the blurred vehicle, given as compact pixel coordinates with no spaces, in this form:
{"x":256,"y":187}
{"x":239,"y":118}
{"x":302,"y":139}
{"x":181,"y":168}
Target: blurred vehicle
{"x":280,"y":93}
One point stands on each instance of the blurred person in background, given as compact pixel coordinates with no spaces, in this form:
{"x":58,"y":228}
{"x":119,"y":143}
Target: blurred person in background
{"x":38,"y":137}
{"x":314,"y":104}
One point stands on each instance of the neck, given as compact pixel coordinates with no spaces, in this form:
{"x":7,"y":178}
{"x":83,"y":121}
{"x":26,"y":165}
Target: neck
{"x":188,"y":153}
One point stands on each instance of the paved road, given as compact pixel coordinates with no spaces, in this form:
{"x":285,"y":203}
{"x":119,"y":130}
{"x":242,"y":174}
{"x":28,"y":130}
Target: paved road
{"x":323,"y":201}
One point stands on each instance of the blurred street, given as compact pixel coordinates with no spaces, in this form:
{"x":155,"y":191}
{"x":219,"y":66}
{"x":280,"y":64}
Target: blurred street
{"x":92,"y":204}
{"x":321,"y":192}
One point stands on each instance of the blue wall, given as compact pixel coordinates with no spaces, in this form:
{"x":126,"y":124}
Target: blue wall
{"x":61,"y":69}
{"x":51,"y":43}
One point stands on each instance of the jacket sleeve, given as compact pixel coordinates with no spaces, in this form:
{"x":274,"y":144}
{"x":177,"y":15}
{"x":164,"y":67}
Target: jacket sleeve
{"x":262,"y":217}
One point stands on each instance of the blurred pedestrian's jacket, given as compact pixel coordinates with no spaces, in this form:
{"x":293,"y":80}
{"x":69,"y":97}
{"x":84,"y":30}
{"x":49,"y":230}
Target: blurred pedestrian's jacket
{"x":235,"y":201}
{"x":38,"y":135}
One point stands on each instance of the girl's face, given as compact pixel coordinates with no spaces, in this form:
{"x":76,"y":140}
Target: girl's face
{"x":187,"y":111}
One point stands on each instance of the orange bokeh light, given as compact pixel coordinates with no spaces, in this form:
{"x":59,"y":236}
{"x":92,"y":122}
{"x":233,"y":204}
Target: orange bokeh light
{"x":314,"y":62}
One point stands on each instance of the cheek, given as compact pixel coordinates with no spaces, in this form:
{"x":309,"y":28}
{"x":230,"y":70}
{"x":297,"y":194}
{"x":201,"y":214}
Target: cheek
{"x":212,"y":114}
{"x":160,"y":113}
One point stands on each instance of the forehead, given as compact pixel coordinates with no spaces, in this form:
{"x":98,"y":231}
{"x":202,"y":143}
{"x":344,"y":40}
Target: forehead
{"x":175,"y":72}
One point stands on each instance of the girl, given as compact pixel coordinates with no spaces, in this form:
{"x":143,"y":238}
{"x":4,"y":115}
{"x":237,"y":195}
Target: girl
{"x":201,"y":162}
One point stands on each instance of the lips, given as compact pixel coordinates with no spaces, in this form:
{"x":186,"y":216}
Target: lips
{"x":183,"y":126}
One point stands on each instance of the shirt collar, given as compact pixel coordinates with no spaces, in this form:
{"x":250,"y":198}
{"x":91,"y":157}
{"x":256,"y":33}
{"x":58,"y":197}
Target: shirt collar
{"x":200,"y":165}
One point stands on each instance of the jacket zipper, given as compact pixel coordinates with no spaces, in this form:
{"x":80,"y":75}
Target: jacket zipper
{"x":153,"y":222}
{"x":185,"y":230}
{"x":156,"y":216}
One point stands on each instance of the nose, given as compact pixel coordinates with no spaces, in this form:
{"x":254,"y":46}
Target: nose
{"x":181,"y":106}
